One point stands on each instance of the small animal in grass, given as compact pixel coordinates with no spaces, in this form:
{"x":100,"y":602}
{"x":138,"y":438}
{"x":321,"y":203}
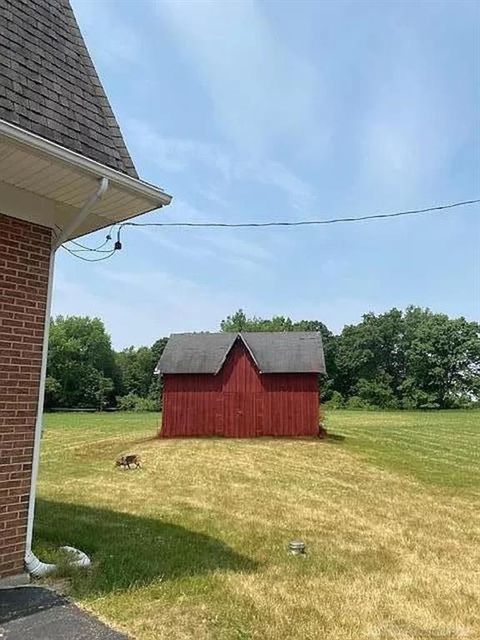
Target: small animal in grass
{"x":126,"y":462}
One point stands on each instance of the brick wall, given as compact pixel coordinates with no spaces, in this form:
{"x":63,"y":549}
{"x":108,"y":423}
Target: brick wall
{"x":24,"y":265}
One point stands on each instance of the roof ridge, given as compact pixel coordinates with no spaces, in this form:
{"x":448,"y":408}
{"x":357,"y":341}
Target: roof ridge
{"x":223,"y":333}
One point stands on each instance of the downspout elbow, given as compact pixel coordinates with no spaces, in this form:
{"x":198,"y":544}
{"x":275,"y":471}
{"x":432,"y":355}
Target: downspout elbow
{"x":36,"y":567}
{"x":39,"y":569}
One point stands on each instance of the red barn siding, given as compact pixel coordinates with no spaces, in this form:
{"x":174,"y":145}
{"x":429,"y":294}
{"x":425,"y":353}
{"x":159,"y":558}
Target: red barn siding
{"x":239,"y":402}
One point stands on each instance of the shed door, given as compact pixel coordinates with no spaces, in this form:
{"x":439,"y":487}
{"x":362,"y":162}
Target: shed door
{"x":239,"y":414}
{"x":219,"y":415}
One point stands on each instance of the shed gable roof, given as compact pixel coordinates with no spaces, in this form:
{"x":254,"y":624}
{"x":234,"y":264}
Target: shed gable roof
{"x":273,"y":352}
{"x":49,"y":85}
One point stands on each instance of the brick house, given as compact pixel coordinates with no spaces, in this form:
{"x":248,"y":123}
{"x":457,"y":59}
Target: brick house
{"x":64,"y":171}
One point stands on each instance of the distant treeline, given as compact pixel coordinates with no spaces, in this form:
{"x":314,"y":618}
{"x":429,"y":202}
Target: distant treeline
{"x":412,"y":359}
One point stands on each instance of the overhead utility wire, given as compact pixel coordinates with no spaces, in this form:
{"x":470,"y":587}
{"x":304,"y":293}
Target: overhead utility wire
{"x":84,"y":249}
{"x":98,"y":249}
{"x":237,"y":225}
{"x":296,"y":223}
{"x":74,"y":253}
{"x":100,"y":246}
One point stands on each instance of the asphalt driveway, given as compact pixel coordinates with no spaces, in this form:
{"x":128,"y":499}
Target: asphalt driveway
{"x":36,"y":613}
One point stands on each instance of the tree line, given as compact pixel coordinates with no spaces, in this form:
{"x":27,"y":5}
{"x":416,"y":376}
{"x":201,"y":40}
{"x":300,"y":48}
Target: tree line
{"x":410,"y":359}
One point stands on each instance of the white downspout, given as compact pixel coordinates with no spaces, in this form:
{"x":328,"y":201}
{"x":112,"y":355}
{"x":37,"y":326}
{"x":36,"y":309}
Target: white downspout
{"x":82,"y":214}
{"x":33,"y":565}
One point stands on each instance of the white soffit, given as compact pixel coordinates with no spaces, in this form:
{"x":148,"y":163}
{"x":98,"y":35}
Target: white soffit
{"x":47,"y":184}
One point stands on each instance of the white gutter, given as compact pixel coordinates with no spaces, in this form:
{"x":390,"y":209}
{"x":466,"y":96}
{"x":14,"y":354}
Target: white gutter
{"x":33,"y":564}
{"x":98,"y":170}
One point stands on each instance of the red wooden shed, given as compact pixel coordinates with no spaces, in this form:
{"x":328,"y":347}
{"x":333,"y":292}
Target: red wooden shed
{"x":241,"y":385}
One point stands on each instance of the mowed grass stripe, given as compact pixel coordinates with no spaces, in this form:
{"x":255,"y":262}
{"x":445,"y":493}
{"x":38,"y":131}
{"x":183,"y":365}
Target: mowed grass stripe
{"x":411,"y":443}
{"x":193,"y":545}
{"x":432,"y":448}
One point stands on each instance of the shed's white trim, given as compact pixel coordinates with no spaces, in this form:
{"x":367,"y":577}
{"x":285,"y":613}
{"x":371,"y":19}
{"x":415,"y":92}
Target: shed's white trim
{"x":250,"y":351}
{"x":247,"y":346}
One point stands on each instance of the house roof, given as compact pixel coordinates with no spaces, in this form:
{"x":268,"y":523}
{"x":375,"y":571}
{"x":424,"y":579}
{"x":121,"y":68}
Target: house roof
{"x":49,"y":85}
{"x":63,"y":161}
{"x":272,"y":352}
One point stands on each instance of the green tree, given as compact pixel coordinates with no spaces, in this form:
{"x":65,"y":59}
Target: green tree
{"x":156,"y":385}
{"x":414,"y":358}
{"x":376,"y":393}
{"x":443,"y":360}
{"x":136,"y":370}
{"x":53,"y":392}
{"x":104,"y":392}
{"x":137,"y":377}
{"x":81,"y":360}
{"x":240,"y":322}
{"x":236,"y":322}
{"x":373,"y":350}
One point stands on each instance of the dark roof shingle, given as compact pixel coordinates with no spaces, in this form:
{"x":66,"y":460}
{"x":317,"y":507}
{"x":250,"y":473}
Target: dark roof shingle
{"x":49,"y":86}
{"x":273,"y":352}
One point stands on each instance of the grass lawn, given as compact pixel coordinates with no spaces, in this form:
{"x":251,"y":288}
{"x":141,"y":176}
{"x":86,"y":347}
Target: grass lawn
{"x":193,"y":545}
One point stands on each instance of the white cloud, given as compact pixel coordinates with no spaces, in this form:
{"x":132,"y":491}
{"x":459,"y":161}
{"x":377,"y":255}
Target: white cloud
{"x":411,"y":131}
{"x":262,"y":93}
{"x":114,"y":42}
{"x":140,"y":307}
{"x":177,"y":154}
{"x":72,"y":297}
{"x":181,"y":155}
{"x":299,"y":192}
{"x":224,"y":246}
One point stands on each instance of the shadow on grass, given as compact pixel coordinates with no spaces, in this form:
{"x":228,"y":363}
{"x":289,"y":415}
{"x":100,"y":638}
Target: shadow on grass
{"x":334,"y":437}
{"x":145,"y":439}
{"x":129,"y":550}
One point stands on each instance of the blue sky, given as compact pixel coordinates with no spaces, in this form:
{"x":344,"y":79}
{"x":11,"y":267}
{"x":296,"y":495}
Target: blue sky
{"x":249,"y":111}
